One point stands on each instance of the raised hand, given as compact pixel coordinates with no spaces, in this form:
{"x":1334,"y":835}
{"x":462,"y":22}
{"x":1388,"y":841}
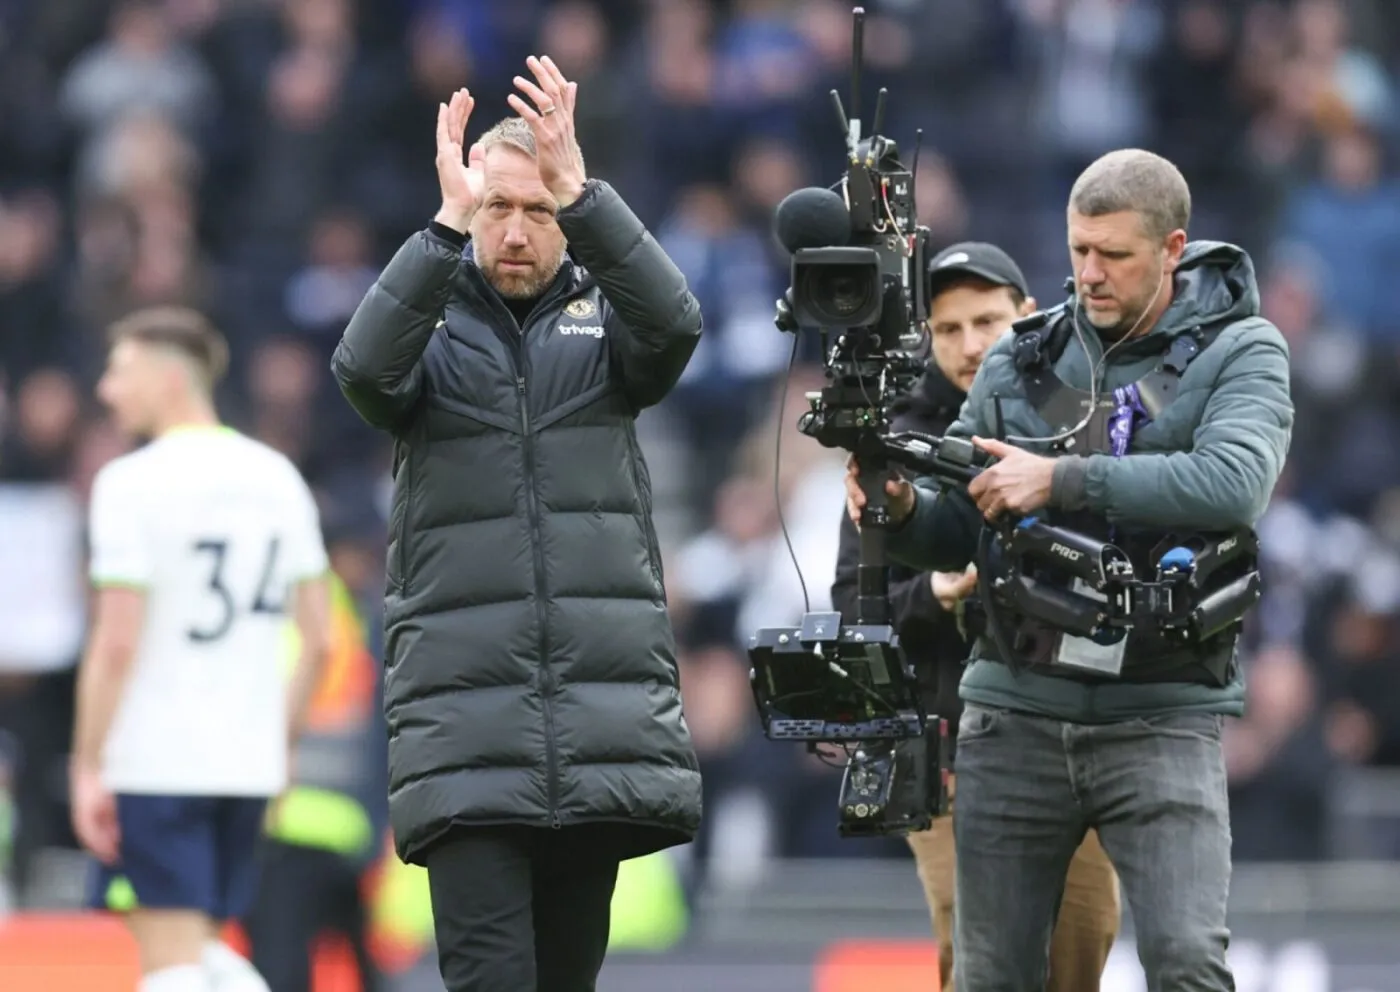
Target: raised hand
{"x":461,"y":183}
{"x":552,"y":120}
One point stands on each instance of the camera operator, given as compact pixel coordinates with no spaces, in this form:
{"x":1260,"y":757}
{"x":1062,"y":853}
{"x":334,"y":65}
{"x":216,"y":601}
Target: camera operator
{"x":1074,"y":734}
{"x":976,"y":291}
{"x":534,"y":711}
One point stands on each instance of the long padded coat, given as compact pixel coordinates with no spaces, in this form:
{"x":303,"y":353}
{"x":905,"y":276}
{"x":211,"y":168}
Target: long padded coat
{"x":531,"y":672}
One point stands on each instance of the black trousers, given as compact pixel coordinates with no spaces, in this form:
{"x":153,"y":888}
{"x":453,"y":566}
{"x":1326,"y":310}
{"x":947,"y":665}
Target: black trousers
{"x":302,"y":893}
{"x":521,"y":909}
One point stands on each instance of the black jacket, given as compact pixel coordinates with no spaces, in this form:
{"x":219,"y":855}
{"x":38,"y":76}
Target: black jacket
{"x":531,"y":671}
{"x":929,"y":633}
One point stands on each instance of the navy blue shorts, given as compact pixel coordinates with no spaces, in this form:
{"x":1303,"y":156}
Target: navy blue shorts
{"x":184,"y":852}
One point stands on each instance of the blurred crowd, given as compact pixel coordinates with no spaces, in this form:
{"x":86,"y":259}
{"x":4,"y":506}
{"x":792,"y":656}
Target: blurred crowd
{"x":261,"y":159}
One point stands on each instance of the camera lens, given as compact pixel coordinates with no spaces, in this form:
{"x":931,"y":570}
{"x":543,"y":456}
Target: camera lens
{"x":837,"y":287}
{"x":843,"y":293}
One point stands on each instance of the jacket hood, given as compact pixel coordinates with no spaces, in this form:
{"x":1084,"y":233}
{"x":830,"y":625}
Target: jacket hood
{"x":1215,"y":283}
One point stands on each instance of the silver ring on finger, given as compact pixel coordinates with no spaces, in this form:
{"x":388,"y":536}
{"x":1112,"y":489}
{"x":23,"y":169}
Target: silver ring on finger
{"x":549,"y":110}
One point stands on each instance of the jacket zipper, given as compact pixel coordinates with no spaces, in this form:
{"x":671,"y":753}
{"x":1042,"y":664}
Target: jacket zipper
{"x":403,"y":519}
{"x":546,"y":681}
{"x":551,"y":753}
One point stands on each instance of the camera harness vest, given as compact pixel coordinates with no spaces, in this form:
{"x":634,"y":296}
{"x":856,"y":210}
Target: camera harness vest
{"x":1040,"y":339}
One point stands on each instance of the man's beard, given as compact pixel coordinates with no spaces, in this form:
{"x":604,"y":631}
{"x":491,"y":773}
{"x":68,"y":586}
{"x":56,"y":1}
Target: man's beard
{"x":522,"y":285}
{"x":1130,"y":320}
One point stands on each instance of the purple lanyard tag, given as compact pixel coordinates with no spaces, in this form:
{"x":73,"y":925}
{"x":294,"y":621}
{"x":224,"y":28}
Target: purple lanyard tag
{"x":1128,"y":415}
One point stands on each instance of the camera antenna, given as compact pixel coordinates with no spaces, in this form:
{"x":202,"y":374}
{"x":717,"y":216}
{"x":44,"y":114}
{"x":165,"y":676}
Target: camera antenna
{"x":845,"y":124}
{"x":871,"y":152}
{"x":860,"y":186}
{"x":857,"y":50}
{"x":851,"y":125}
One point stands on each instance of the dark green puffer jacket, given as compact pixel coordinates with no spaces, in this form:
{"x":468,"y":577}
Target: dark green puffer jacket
{"x":531,"y":663}
{"x":1209,"y":462}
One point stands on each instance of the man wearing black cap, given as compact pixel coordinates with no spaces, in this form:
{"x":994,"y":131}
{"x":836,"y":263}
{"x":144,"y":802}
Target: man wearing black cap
{"x":976,"y":291}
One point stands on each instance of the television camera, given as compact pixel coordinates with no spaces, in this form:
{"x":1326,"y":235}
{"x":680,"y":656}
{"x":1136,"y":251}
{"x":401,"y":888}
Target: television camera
{"x":859,"y":277}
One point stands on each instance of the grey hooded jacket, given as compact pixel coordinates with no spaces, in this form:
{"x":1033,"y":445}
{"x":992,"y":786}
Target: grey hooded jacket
{"x":1209,"y":462}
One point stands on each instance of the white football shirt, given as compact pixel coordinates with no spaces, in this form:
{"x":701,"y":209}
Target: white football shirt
{"x":216,"y":528}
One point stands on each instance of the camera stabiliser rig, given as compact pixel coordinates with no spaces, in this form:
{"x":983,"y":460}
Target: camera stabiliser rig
{"x":825,"y":681}
{"x":859,"y":278}
{"x":859,"y":261}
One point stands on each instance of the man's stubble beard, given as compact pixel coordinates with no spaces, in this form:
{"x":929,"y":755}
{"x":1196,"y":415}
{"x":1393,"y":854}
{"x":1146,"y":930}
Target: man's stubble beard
{"x":521,"y":287}
{"x":1124,"y":324}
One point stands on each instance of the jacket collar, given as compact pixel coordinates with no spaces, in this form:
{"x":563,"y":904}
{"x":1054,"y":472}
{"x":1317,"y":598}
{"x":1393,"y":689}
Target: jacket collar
{"x":570,"y":280}
{"x":934,"y":396}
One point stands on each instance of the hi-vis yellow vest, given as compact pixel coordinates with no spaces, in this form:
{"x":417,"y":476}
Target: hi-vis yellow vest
{"x":318,"y":810}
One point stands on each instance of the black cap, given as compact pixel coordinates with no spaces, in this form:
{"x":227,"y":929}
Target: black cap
{"x":975,"y":258}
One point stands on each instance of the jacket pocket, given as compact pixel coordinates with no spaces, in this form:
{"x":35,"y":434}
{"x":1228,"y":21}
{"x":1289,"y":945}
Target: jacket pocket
{"x":977,"y":722}
{"x":634,"y":466}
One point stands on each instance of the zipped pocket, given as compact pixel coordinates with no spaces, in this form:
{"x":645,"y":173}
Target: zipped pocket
{"x":634,"y":465}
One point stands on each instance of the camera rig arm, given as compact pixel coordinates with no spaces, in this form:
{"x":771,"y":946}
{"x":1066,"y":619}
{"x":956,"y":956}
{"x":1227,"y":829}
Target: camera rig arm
{"x":955,"y":461}
{"x":1175,"y":599}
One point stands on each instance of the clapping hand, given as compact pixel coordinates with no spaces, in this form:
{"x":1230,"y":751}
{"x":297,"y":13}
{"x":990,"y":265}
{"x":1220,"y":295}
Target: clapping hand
{"x":462,"y":184}
{"x":552,"y":120}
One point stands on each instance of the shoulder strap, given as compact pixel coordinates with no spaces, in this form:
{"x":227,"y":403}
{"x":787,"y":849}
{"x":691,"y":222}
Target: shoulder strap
{"x":1188,"y":344}
{"x":1158,"y":388}
{"x":1040,"y":339}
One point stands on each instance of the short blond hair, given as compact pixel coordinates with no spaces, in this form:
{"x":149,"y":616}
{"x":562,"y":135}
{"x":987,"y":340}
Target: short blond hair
{"x":513,"y":132}
{"x":180,"y":329}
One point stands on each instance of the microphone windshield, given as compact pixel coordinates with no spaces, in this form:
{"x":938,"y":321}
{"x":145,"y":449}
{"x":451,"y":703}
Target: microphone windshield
{"x":812,"y":218}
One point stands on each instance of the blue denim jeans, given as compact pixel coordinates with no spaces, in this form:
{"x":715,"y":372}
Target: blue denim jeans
{"x":1028,"y":790}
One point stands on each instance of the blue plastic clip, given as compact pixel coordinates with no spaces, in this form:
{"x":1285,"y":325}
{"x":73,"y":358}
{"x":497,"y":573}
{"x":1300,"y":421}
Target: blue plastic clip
{"x":1177,"y":560}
